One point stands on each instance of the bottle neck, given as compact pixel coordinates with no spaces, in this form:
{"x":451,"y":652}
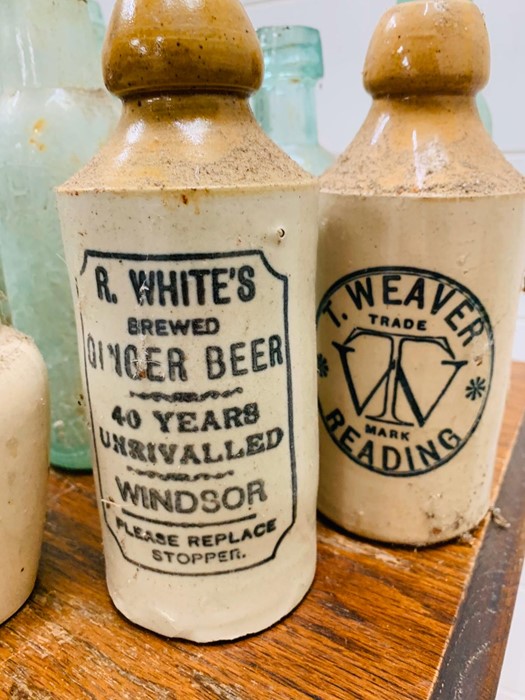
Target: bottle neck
{"x":286,"y":110}
{"x":200,"y":124}
{"x":48,"y":44}
{"x":425,"y":125}
{"x":179,"y":107}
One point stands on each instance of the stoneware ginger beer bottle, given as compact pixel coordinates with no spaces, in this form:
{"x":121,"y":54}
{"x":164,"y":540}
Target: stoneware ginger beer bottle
{"x":421,"y":259}
{"x":24,"y":465}
{"x":191,"y":241}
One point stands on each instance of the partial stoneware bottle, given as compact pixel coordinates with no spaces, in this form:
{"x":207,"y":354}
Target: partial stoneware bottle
{"x":195,"y":292}
{"x":285,"y":106}
{"x":24,"y":465}
{"x":54,"y":115}
{"x":483,"y":106}
{"x":421,"y":261}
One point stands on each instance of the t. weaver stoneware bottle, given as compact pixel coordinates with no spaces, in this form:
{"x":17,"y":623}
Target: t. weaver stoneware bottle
{"x":24,"y":465}
{"x":285,"y":106}
{"x":421,"y":261}
{"x":54,"y":115}
{"x":194,"y":277}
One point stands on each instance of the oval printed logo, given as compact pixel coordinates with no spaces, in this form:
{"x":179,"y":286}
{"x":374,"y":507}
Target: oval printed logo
{"x":405,"y":365}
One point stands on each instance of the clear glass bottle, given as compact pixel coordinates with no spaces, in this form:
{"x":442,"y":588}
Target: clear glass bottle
{"x":285,"y":106}
{"x":54,"y":115}
{"x":483,"y":106}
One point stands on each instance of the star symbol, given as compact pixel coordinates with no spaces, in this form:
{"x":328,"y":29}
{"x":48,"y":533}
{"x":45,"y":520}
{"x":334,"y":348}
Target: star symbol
{"x":322,"y":366}
{"x":476,"y":388}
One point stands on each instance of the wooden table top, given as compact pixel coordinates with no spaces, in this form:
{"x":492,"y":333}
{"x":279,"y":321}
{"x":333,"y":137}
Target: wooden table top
{"x":379,"y":623}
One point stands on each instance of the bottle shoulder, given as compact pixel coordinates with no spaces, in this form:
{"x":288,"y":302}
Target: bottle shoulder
{"x":197,"y":149}
{"x":432,"y":150}
{"x":19,"y":352}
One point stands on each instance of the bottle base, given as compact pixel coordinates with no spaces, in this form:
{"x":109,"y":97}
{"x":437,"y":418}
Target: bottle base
{"x":14,"y":607}
{"x":206,"y":623}
{"x":74,"y":460}
{"x":435,"y":536}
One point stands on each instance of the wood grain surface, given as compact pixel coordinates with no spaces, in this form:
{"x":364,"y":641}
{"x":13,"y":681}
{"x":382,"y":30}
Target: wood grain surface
{"x":379,"y":623}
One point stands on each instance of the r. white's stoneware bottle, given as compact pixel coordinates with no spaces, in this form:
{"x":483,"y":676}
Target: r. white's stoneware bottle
{"x":421,"y":261}
{"x":191,"y":241}
{"x":24,"y":465}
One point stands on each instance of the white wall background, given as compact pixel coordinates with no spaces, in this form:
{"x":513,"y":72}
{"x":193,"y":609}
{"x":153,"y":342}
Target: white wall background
{"x":346,"y":27}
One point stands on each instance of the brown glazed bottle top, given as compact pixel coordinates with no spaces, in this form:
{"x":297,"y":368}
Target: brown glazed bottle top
{"x":184,"y":69}
{"x":423,"y":136}
{"x":432,"y":48}
{"x":159,"y":46}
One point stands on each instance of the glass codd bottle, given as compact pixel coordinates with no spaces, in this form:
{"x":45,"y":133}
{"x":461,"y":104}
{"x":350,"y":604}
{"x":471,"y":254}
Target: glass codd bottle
{"x":285,"y":106}
{"x":54,"y":115}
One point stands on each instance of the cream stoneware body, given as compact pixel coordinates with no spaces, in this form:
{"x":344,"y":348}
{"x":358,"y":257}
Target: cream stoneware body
{"x":24,"y":466}
{"x":191,"y":243}
{"x":421,"y":262}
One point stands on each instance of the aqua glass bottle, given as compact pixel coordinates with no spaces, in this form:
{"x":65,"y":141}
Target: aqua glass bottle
{"x":483,"y":106}
{"x":5,"y":310}
{"x":484,"y":112}
{"x":285,"y":106}
{"x":97,"y":20}
{"x":54,"y":115}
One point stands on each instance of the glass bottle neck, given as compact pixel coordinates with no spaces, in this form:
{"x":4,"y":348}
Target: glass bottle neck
{"x":286,"y":110}
{"x":47,"y":44}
